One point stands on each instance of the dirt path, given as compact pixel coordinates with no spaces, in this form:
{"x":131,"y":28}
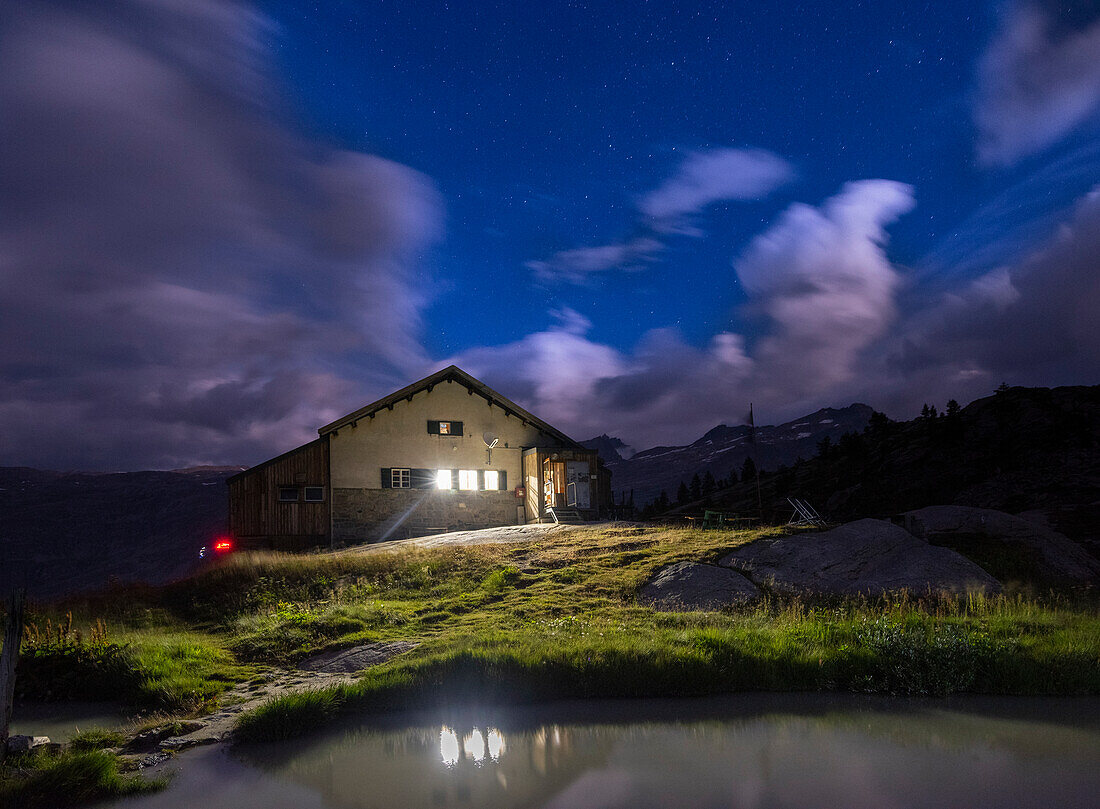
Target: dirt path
{"x":484,"y":536}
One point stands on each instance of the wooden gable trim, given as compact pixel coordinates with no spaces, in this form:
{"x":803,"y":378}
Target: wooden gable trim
{"x":451,"y":373}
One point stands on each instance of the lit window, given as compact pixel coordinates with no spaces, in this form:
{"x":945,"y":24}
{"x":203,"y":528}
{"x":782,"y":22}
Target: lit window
{"x":467,"y":480}
{"x":400,"y":478}
{"x":314,"y":494}
{"x":492,"y":480}
{"x":288,"y":494}
{"x":444,"y":428}
{"x":443,"y":479}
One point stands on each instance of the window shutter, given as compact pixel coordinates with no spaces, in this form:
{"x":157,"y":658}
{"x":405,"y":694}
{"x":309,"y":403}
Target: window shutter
{"x":481,"y":480}
{"x":422,"y":478}
{"x":386,"y":479}
{"x":456,"y":428}
{"x":433,"y":428}
{"x":454,"y":478}
{"x":503,"y":480}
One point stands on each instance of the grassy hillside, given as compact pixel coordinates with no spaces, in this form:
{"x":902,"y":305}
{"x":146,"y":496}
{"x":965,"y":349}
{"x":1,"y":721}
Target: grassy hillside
{"x":557,"y":617}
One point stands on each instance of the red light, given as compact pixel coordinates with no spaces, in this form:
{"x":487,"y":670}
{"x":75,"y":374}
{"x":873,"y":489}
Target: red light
{"x":223,"y":546}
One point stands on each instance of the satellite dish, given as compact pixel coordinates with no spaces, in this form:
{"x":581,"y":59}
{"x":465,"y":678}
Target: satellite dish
{"x":490,"y":440}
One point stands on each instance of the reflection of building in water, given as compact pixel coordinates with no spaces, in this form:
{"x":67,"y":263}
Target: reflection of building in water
{"x":448,"y":766}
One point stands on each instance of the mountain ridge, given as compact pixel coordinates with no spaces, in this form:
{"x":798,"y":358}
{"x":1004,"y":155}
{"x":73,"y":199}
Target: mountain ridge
{"x":723,"y":449}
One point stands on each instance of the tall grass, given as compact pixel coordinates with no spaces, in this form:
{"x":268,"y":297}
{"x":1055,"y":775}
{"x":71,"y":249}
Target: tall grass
{"x":42,"y":781}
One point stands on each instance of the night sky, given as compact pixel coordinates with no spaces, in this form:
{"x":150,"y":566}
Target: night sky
{"x":224,"y":225}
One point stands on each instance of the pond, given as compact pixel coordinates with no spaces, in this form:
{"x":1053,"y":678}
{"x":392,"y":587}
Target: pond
{"x":63,"y":720}
{"x":802,"y":750}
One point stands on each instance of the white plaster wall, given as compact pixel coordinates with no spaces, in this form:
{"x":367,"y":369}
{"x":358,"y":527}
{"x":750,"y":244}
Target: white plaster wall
{"x":399,"y":438}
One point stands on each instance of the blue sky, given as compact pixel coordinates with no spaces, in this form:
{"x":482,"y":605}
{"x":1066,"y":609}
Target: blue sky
{"x":232,"y":222}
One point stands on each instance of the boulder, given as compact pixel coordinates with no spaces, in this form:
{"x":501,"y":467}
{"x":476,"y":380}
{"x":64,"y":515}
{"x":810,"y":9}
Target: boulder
{"x":693,"y":586}
{"x":866,"y":556}
{"x":24,"y":744}
{"x":1021,"y":547}
{"x":356,"y":658}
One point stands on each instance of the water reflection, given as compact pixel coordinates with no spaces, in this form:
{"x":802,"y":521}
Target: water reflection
{"x":762,"y":752}
{"x":448,"y":746}
{"x":496,"y":744}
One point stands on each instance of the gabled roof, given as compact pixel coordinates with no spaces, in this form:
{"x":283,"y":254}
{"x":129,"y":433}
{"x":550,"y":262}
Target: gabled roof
{"x":452,"y":373}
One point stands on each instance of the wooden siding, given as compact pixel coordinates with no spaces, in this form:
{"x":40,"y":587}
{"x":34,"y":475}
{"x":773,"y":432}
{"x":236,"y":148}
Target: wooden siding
{"x":257,"y":518}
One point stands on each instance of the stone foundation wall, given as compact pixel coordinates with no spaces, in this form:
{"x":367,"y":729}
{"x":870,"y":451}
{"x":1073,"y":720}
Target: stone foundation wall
{"x":361,"y":515}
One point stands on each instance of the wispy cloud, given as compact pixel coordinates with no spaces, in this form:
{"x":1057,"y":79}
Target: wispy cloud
{"x":702,"y":179}
{"x":580,"y":264}
{"x":182,"y":277}
{"x":1037,"y":82}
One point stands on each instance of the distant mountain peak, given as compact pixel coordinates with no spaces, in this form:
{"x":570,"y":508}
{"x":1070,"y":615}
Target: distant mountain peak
{"x":609,"y":448}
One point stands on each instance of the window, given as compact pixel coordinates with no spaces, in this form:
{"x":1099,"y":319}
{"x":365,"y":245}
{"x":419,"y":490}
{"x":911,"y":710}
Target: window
{"x":443,"y":478}
{"x":444,"y":428}
{"x":467,"y":480}
{"x":288,"y":494}
{"x":400,"y":478}
{"x":492,"y":480}
{"x":448,"y":428}
{"x":314,"y":494}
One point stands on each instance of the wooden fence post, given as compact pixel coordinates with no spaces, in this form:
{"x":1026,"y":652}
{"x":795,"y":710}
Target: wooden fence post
{"x":13,"y":636}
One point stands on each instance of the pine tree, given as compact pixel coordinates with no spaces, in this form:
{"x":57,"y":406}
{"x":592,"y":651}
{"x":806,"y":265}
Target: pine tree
{"x":682,"y":494}
{"x":952,"y":409}
{"x":696,"y":487}
{"x":709,"y":484}
{"x":748,"y":470}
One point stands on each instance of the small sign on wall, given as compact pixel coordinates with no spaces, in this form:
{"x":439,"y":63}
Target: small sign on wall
{"x":519,"y":491}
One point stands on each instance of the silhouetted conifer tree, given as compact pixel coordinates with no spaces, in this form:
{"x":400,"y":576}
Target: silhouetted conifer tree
{"x":748,"y":470}
{"x":682,"y":494}
{"x":709,"y":484}
{"x":696,"y":487}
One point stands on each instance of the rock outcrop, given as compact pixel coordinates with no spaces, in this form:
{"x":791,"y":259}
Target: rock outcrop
{"x":866,"y":556}
{"x":346,"y":661}
{"x":694,"y":586}
{"x":1025,"y":548}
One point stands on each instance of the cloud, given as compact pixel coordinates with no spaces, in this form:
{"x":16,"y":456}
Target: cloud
{"x":823,"y":279}
{"x":1038,"y":81}
{"x":182,"y":277}
{"x":1029,"y":323}
{"x":835,"y":326}
{"x":578,"y":265}
{"x":702,"y":178}
{"x":818,"y":279}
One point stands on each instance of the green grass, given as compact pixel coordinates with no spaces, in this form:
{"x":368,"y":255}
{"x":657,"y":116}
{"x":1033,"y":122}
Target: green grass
{"x":42,"y":781}
{"x":96,"y":739}
{"x":558,"y":617}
